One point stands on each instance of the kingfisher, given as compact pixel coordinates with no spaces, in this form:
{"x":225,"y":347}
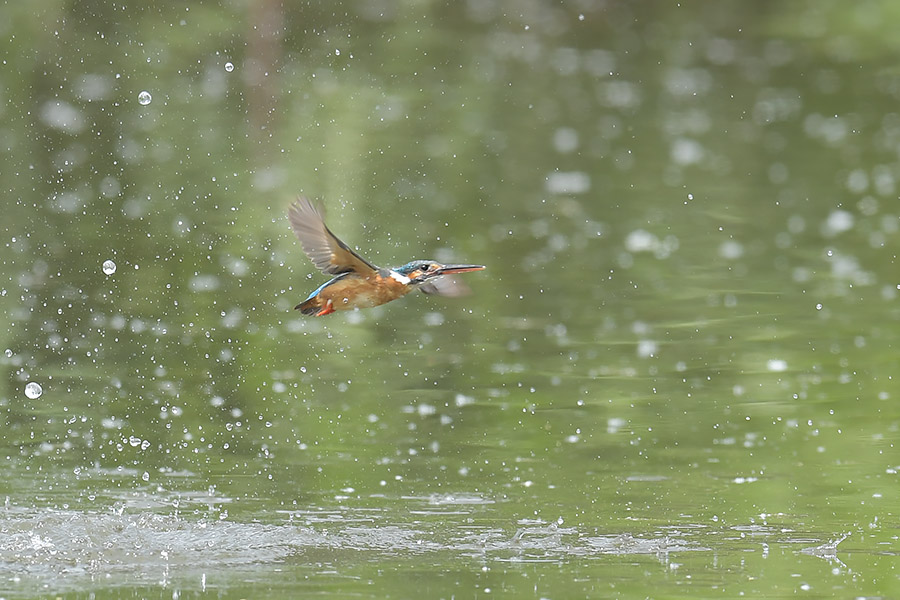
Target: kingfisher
{"x":357,"y":283}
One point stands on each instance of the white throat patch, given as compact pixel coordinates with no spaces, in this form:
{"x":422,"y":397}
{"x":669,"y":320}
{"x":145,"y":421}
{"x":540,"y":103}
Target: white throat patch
{"x":400,"y":277}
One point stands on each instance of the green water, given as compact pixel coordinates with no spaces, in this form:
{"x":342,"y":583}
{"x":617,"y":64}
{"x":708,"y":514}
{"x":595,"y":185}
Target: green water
{"x":677,"y":376}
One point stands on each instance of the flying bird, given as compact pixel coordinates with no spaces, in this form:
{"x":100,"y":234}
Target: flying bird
{"x":357,"y":283}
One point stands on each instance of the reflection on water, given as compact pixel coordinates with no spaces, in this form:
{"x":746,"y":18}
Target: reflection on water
{"x":683,"y":345}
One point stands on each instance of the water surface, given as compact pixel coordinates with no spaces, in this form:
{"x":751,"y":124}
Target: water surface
{"x":676,"y":377}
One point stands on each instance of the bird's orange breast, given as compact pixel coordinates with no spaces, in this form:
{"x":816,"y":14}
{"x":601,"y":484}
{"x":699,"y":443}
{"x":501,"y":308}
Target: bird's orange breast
{"x":363,"y":292}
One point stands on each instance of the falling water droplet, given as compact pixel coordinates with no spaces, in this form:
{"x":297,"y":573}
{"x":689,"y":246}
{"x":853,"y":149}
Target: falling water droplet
{"x":144,"y":98}
{"x":109,"y":267}
{"x":33,"y":390}
{"x":229,"y":67}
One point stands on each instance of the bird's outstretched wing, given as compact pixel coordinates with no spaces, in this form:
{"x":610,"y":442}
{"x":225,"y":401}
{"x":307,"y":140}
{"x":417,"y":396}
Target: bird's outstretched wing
{"x":323,"y":248}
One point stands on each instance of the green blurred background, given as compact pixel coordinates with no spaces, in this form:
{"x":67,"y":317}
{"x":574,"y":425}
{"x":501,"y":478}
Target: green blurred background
{"x":677,"y":376}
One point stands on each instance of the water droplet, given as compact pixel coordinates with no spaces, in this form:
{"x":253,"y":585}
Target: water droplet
{"x":145,"y":476}
{"x":144,"y":98}
{"x":33,"y":390}
{"x":776,"y":365}
{"x":8,"y":353}
{"x":229,"y":67}
{"x":109,"y":267}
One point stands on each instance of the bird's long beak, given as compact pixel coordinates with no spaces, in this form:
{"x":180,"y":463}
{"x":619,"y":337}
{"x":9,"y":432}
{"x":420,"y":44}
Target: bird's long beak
{"x":449,"y":269}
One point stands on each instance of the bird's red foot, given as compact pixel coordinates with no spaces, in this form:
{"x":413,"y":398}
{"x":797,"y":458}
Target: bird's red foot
{"x":326,"y":310}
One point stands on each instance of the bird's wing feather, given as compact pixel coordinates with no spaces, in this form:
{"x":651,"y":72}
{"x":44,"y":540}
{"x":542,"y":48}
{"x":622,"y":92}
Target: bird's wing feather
{"x":324,"y":249}
{"x":445,"y":285}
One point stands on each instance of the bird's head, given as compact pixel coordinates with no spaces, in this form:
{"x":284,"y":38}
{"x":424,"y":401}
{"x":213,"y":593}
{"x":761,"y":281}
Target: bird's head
{"x":420,"y":271}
